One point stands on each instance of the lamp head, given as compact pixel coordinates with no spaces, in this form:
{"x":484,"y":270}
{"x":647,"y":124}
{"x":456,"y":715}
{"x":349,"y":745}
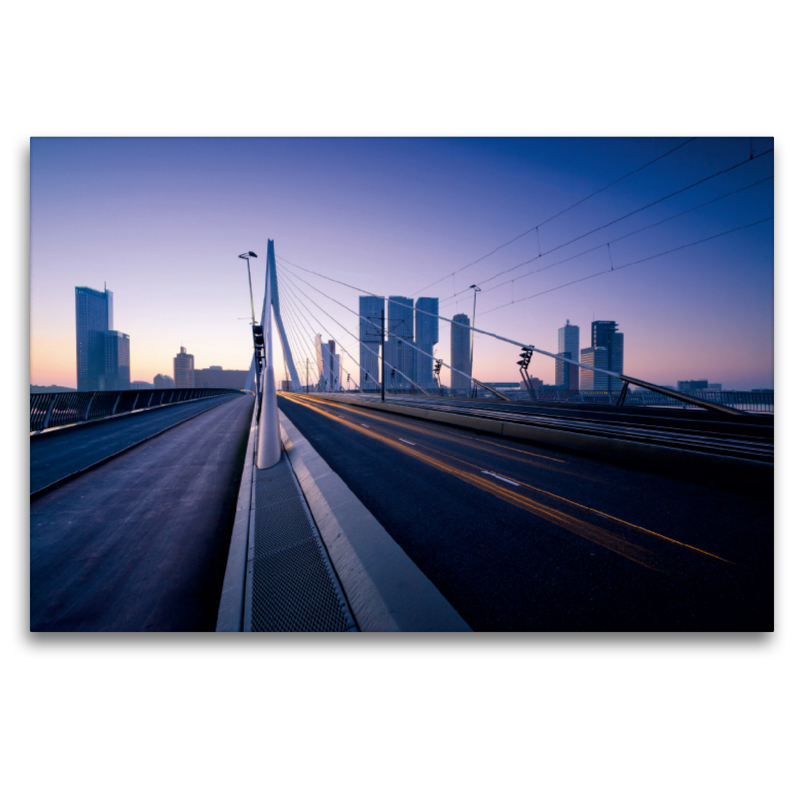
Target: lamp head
{"x":249,"y":254}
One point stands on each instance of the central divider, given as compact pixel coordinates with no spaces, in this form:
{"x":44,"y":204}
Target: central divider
{"x":640,"y":452}
{"x":306,"y":554}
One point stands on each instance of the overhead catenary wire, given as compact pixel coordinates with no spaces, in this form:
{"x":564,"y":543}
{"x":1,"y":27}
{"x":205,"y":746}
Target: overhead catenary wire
{"x":550,"y":219}
{"x":629,"y":264}
{"x":504,"y":338}
{"x":450,"y":301}
{"x":612,"y":222}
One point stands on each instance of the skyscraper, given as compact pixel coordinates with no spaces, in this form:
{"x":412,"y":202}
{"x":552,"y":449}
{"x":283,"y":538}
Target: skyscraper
{"x":426,"y":329}
{"x":369,"y":338}
{"x":459,"y":355}
{"x":399,"y":333}
{"x":594,"y":357}
{"x":183,"y":369}
{"x":117,"y":361}
{"x":605,"y":334}
{"x":94,"y":315}
{"x":569,"y":347}
{"x":328,"y":364}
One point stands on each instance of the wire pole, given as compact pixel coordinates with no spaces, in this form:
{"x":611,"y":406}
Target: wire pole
{"x":472,"y":340}
{"x":383,"y":360}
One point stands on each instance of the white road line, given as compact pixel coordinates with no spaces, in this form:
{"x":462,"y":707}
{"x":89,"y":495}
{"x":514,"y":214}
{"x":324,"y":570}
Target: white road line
{"x":407,"y":442}
{"x":499,"y":477}
{"x":364,"y":426}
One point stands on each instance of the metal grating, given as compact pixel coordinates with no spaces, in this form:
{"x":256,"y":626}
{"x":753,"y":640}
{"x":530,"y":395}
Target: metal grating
{"x":291,"y":585}
{"x":292,"y":591}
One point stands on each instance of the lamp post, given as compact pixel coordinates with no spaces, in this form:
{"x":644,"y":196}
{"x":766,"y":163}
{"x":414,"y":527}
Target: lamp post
{"x":472,"y":339}
{"x":258,"y":332}
{"x":247,"y":256}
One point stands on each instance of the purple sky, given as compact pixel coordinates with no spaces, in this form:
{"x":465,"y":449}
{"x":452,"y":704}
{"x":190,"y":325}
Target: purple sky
{"x":163,"y":220}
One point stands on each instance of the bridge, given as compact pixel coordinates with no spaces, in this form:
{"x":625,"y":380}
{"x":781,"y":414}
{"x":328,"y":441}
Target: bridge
{"x":259,"y":510}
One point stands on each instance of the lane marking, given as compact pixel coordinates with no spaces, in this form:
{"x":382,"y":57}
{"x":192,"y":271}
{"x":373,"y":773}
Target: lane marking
{"x":499,"y":477}
{"x":407,"y":442}
{"x":364,"y":426}
{"x":468,"y":478}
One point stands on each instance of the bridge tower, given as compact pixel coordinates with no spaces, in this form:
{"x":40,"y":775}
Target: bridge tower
{"x":272,"y":277}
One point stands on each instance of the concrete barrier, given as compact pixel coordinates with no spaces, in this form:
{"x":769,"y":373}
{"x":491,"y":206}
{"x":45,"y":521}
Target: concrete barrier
{"x":639,"y":452}
{"x":385,"y":589}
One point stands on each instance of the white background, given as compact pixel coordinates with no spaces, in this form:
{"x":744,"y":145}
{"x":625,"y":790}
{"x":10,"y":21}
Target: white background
{"x":654,"y":716}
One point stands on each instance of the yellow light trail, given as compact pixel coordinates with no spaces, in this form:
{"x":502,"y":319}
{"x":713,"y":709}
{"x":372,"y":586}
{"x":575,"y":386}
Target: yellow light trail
{"x":586,"y":530}
{"x":579,"y":505}
{"x":411,"y":426}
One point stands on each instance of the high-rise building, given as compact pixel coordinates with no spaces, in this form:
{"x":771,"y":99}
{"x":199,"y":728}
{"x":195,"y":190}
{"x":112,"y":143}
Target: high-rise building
{"x":94,"y":315}
{"x":459,"y":355}
{"x":426,"y":335}
{"x":117,"y":357}
{"x":328,"y":364}
{"x":594,"y":357}
{"x":567,"y":375}
{"x":399,"y":335}
{"x":369,"y":337}
{"x":183,"y":369}
{"x":163,"y":382}
{"x":605,"y":334}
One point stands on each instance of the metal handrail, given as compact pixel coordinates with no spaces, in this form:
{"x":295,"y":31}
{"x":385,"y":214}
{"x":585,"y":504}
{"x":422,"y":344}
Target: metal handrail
{"x":54,"y":409}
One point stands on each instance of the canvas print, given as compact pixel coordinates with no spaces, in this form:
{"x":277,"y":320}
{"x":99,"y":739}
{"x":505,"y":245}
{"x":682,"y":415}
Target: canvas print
{"x":402,"y":384}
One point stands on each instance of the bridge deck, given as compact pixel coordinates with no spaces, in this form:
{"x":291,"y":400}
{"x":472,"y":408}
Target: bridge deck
{"x":62,"y":452}
{"x":521,"y":537}
{"x":140,"y":542}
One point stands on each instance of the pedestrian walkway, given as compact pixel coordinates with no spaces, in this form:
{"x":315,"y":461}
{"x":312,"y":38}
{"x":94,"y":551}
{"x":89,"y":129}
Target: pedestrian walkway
{"x":291,"y":585}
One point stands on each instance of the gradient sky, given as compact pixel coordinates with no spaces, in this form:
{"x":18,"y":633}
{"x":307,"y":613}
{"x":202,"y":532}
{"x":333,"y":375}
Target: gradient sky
{"x":162,"y":221}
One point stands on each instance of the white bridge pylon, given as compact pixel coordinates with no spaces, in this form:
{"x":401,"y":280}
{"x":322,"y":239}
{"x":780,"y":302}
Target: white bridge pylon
{"x":272,"y":278}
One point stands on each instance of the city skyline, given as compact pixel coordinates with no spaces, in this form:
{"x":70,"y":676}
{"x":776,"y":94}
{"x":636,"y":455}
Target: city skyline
{"x":164,"y":220}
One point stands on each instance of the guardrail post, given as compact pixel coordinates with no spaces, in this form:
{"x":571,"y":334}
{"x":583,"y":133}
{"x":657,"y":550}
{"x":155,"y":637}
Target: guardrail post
{"x":116,"y":403}
{"x":88,"y":408}
{"x":49,"y":412}
{"x":135,"y":401}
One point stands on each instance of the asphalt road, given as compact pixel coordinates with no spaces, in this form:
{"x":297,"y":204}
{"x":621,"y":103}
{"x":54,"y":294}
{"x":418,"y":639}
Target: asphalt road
{"x":521,"y":537}
{"x":55,"y":455}
{"x":140,"y":543}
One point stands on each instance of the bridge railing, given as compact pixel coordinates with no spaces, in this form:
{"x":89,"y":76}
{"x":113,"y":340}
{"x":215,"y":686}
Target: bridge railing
{"x":744,"y":401}
{"x":53,"y":409}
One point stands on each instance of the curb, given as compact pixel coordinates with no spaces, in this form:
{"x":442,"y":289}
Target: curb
{"x":230,"y":616}
{"x":384,"y":588}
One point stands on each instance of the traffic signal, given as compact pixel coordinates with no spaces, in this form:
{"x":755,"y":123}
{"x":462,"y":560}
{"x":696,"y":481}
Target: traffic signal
{"x":525,"y":356}
{"x":258,"y":336}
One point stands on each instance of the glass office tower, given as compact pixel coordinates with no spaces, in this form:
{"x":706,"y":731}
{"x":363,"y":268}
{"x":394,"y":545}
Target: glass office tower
{"x":94,"y":315}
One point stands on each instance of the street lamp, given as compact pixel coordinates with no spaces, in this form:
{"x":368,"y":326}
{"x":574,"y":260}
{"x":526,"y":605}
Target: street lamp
{"x":472,"y":340}
{"x":247,"y":256}
{"x":258,"y":331}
